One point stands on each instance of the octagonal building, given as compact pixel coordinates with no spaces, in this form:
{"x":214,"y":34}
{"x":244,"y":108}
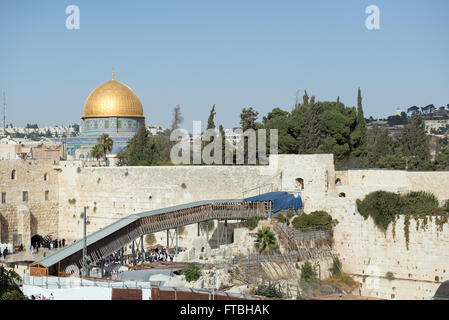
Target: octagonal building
{"x":112,"y":108}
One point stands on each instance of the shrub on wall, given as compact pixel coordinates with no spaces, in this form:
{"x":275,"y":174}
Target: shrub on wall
{"x":385,"y":207}
{"x":252,"y":222}
{"x":313,"y":221}
{"x":308,"y":272}
{"x":191,"y":272}
{"x":269,"y":290}
{"x":382,"y":206}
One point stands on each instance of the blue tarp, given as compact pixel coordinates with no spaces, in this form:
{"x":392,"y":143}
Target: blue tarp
{"x":281,"y":200}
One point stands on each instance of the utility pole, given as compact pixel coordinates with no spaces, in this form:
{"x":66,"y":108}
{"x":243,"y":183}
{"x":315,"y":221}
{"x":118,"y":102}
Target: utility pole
{"x":4,"y":110}
{"x":85,"y":246}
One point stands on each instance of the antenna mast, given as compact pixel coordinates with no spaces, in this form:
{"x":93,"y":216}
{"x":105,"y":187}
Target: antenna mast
{"x":4,"y":110}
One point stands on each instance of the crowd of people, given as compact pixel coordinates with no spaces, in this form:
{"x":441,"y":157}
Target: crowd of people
{"x":48,"y":244}
{"x":42,"y":297}
{"x":150,"y":255}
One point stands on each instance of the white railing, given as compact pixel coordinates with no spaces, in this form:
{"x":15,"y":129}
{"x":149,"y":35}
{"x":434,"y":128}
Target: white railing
{"x":75,"y":282}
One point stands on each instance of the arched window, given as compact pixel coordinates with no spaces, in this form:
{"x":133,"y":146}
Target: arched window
{"x":45,"y":176}
{"x":342,"y":195}
{"x":13,"y":174}
{"x":300,"y":183}
{"x":338,"y":182}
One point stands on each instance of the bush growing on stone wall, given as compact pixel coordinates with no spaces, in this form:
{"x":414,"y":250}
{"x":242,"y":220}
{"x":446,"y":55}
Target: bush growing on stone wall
{"x":269,"y":290}
{"x":313,"y":221}
{"x":192,"y":272}
{"x":382,"y":206}
{"x":389,"y":275}
{"x":336,"y":267}
{"x":385,"y":207}
{"x":252,"y":222}
{"x":421,"y":198}
{"x":72,"y":201}
{"x":308,"y":272}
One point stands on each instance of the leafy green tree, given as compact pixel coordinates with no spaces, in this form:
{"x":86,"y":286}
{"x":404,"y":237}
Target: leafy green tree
{"x":391,"y":161}
{"x":265,"y":240}
{"x":380,"y":144}
{"x":415,"y":141}
{"x":442,"y":159}
{"x":141,"y":150}
{"x":278,"y":119}
{"x":248,"y":119}
{"x":9,"y":285}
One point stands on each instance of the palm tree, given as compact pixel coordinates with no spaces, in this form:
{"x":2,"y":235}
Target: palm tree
{"x":97,"y":151}
{"x":265,"y":240}
{"x":106,"y":142}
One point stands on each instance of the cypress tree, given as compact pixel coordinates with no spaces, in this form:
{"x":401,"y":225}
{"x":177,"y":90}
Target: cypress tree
{"x":210,"y":121}
{"x":359,"y":133}
{"x":140,"y":151}
{"x":305,"y":99}
{"x":414,"y":139}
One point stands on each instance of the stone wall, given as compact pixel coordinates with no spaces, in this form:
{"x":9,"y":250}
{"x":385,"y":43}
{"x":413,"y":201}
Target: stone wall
{"x":381,"y":261}
{"x":34,"y":215}
{"x":115,"y":192}
{"x":358,"y":183}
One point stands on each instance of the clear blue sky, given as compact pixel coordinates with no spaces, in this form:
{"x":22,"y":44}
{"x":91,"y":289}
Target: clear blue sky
{"x":230,"y":53}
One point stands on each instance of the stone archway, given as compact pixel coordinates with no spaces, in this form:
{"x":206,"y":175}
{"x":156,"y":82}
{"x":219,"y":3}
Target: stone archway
{"x":300,"y":183}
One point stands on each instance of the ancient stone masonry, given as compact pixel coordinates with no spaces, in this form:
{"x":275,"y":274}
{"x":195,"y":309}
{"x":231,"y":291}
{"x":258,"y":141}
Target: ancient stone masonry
{"x":29,"y":199}
{"x":39,"y":197}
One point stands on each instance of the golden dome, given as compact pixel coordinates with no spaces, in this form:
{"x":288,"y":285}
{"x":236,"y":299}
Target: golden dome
{"x":112,"y":99}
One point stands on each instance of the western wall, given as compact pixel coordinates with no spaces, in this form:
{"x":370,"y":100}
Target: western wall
{"x":29,"y":199}
{"x":380,"y":261}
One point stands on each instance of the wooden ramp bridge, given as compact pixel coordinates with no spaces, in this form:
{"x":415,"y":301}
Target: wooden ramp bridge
{"x":104,"y":242}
